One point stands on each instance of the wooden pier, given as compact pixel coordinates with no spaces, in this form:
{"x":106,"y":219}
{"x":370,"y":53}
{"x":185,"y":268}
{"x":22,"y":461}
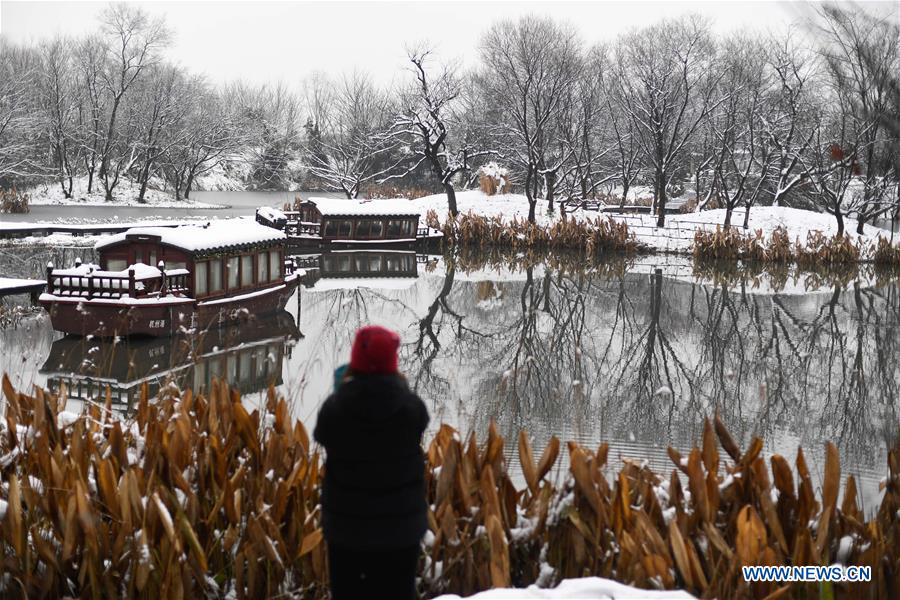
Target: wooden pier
{"x":13,"y":287}
{"x":13,"y":231}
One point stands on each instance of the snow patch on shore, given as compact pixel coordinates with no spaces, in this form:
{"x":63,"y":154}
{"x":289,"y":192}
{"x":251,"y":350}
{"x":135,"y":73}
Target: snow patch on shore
{"x":594,"y":588}
{"x":125,"y":194}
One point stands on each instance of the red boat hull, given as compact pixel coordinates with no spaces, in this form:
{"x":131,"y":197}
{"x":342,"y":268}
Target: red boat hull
{"x":109,"y":318}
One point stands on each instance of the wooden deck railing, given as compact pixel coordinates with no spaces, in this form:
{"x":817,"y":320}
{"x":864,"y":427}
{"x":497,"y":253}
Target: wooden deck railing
{"x":106,"y":285}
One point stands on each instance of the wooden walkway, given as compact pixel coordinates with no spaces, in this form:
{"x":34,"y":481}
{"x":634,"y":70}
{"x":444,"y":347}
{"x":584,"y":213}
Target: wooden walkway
{"x":12,"y":287}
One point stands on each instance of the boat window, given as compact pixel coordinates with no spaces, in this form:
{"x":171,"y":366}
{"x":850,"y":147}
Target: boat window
{"x":275,"y":265}
{"x":374,"y":264}
{"x":244,"y":368}
{"x":199,"y":375}
{"x":360,"y":264}
{"x":394,"y":228}
{"x":116,"y":264}
{"x":330,"y":228}
{"x":215,"y":275}
{"x":152,"y":259}
{"x":363,"y":228}
{"x":411,"y":227}
{"x":344,"y":228}
{"x":231,"y":265}
{"x":246,"y":270}
{"x":394,"y":264}
{"x":329,"y":263}
{"x":176,"y":264}
{"x":343,"y":263}
{"x":262,"y":267}
{"x":231,"y":368}
{"x":377,"y":229}
{"x":200,"y":272}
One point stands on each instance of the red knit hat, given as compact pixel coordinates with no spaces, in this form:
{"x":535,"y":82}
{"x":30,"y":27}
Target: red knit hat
{"x":374,"y":351}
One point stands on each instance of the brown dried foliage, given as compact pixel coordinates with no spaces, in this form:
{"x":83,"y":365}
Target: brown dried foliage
{"x":592,"y":236}
{"x":198,"y":496}
{"x":14,"y":202}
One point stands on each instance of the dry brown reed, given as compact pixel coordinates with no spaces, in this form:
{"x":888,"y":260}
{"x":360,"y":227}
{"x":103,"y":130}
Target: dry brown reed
{"x":733,"y":244}
{"x":14,"y":202}
{"x":199,"y":497}
{"x":591,"y":235}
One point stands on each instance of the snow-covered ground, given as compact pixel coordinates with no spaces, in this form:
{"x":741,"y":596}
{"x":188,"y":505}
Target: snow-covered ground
{"x":125,"y":194}
{"x":593,"y":588}
{"x":678,"y":234}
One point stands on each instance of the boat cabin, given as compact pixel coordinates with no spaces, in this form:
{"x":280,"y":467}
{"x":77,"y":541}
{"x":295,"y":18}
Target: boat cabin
{"x":360,"y":221}
{"x":221,"y":258}
{"x":159,"y":280}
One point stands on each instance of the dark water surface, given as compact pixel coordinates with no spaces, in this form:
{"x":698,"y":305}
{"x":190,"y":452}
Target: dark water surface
{"x":633,"y":353}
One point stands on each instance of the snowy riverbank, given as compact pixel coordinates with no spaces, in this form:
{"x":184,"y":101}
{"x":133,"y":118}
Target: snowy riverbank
{"x":678,"y":234}
{"x":125,"y":194}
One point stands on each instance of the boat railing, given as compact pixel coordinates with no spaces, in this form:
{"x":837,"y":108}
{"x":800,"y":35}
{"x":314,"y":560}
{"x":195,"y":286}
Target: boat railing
{"x":301,"y":228}
{"x":102,"y":284}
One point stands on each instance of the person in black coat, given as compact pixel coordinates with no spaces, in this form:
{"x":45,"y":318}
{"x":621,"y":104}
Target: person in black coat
{"x":374,"y":512}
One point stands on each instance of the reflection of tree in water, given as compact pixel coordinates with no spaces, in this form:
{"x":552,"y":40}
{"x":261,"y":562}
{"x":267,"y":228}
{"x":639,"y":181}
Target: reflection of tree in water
{"x":602,"y":351}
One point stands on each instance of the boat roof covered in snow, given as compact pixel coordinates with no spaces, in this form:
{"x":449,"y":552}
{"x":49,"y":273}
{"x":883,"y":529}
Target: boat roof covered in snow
{"x":212,"y":235}
{"x":337,"y":207}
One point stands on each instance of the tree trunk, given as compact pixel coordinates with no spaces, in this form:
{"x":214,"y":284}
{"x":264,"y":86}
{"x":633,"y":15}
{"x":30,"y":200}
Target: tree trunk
{"x":660,"y":200}
{"x":747,"y":216}
{"x":625,"y":187}
{"x":144,"y":177}
{"x":550,"y":183}
{"x":532,"y":203}
{"x":861,"y":223}
{"x":840,"y":222}
{"x":728,"y":216}
{"x":90,"y":186}
{"x":451,"y":199}
{"x":187,"y":185}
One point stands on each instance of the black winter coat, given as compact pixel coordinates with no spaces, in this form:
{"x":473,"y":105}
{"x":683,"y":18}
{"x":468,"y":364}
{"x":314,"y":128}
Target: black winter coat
{"x":374,"y":491}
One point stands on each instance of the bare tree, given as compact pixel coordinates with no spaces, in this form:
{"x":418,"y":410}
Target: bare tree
{"x":863,"y":55}
{"x":59,"y":96}
{"x":344,"y":146}
{"x":91,"y":57}
{"x":163,"y":98}
{"x":269,"y":116}
{"x":134,"y":44}
{"x":19,"y":124}
{"x":667,"y":82}
{"x":425,"y":121}
{"x":530,"y":68}
{"x":739,"y":170}
{"x":788,"y":124}
{"x":209,"y":139}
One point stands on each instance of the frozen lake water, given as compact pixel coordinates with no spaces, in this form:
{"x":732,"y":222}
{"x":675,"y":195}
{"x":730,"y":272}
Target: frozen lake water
{"x":629,"y":353}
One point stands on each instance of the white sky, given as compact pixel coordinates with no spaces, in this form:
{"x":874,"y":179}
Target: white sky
{"x":287,"y":41}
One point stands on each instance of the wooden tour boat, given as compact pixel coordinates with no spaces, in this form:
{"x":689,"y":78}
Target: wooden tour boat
{"x":337,"y":223}
{"x":205,"y":275}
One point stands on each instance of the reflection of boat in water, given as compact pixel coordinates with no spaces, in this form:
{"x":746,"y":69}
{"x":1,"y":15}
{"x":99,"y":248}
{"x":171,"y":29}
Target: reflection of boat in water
{"x":346,"y":269}
{"x":249,"y":355}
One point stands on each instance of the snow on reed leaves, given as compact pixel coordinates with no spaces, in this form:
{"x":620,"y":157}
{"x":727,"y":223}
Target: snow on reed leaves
{"x":591,"y":235}
{"x":198,"y":497}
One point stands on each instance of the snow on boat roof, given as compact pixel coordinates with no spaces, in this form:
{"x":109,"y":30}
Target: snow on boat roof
{"x":208,"y":236}
{"x":375,"y":208}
